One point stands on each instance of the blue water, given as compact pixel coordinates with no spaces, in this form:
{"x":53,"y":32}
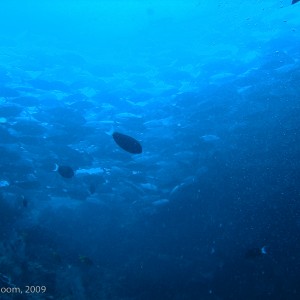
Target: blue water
{"x":209,"y":210}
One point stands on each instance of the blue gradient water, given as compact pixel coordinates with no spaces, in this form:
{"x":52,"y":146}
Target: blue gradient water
{"x":209,"y":210}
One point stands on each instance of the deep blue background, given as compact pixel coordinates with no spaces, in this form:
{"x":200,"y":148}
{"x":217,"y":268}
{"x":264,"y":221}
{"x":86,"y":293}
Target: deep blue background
{"x":211,"y":91}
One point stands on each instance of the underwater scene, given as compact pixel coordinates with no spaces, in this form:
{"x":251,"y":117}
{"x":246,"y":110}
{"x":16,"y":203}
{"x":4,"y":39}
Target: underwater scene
{"x":149,"y":150}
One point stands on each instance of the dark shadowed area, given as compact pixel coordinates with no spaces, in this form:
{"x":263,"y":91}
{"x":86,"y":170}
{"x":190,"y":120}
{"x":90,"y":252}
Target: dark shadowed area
{"x":149,"y":150}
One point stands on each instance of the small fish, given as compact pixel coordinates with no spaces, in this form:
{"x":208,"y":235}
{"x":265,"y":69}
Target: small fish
{"x":149,"y":186}
{"x":160,"y":202}
{"x":90,"y":171}
{"x":85,"y":260}
{"x":4,"y":183}
{"x":295,"y":1}
{"x":64,"y":171}
{"x":56,"y":257}
{"x":127,"y":143}
{"x":3,"y":120}
{"x":24,"y":201}
{"x":27,"y":184}
{"x":92,"y":188}
{"x":254,"y":253}
{"x":190,"y":180}
{"x":210,"y":138}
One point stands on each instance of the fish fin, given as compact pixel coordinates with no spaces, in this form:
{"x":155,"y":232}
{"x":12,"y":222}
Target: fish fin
{"x":264,"y":250}
{"x":111,"y":131}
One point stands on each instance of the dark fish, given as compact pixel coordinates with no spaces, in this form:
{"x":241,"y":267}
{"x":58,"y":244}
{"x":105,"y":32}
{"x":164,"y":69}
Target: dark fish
{"x":255,"y":252}
{"x":56,"y":257}
{"x":85,"y":260}
{"x":127,"y":143}
{"x":65,"y":171}
{"x":28,"y":184}
{"x":92,"y":188}
{"x":25,"y":202}
{"x":295,"y":1}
